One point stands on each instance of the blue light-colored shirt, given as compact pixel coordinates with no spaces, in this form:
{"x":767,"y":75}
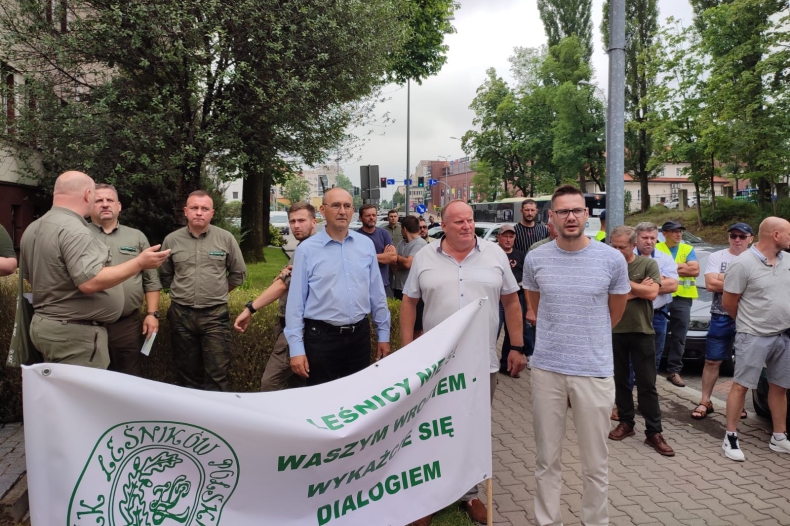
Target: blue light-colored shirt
{"x":337,"y":283}
{"x":667,"y":267}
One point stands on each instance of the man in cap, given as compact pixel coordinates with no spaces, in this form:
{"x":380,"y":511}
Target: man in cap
{"x":506,"y":239}
{"x":680,"y":308}
{"x":205,"y":266}
{"x":75,"y":290}
{"x":721,"y":332}
{"x":125,"y":243}
{"x":755,"y":296}
{"x":601,"y":234}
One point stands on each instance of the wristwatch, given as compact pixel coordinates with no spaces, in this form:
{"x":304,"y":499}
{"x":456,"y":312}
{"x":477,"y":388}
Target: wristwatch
{"x":250,"y":307}
{"x":517,"y":348}
{"x":155,"y":314}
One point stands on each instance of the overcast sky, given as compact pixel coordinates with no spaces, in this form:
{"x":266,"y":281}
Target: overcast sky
{"x":487,"y":32}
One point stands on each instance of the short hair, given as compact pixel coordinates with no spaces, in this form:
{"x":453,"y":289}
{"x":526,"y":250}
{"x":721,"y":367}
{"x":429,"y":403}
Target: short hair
{"x":366,"y":207}
{"x":526,"y":202}
{"x":566,"y":189}
{"x":624,"y":230}
{"x":411,"y":224}
{"x":422,"y":220}
{"x":200,"y":193}
{"x":645,"y":226}
{"x":393,"y":211}
{"x":302,"y":205}
{"x":105,"y":186}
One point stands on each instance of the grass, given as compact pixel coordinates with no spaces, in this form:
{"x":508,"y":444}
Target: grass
{"x":261,"y":275}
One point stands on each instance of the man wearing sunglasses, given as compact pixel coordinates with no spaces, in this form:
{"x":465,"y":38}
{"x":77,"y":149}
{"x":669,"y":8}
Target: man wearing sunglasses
{"x":424,"y":231}
{"x":722,"y":327}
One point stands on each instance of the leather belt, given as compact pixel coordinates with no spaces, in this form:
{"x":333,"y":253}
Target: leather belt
{"x":338,"y":329}
{"x":83,"y":322}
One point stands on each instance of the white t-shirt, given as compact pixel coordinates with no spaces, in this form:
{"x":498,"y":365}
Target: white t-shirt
{"x":717,"y":263}
{"x":447,"y":286}
{"x":574,"y":328}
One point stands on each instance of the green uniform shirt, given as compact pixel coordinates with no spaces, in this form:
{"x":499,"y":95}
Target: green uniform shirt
{"x":395,"y":233}
{"x":126,"y":243}
{"x":539,"y":243}
{"x":638,"y":315}
{"x":287,"y":281}
{"x":59,"y":254}
{"x":6,"y":245}
{"x":201,"y":268}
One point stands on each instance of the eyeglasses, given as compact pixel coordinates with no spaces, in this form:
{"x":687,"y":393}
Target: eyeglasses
{"x":738,"y":236}
{"x":424,"y":227}
{"x":563,"y":214}
{"x":345,"y":206}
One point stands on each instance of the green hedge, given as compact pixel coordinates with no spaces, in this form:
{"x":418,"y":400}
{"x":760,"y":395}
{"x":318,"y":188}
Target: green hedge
{"x":729,"y":211}
{"x":250,"y":350}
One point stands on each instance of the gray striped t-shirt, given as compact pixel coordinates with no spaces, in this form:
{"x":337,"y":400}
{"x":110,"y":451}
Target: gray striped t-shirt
{"x":574,"y":331}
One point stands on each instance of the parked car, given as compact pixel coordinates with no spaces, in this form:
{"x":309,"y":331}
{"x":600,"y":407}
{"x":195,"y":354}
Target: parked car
{"x":280,"y":220}
{"x":673,"y":203}
{"x":487,"y":231}
{"x":699,"y":323}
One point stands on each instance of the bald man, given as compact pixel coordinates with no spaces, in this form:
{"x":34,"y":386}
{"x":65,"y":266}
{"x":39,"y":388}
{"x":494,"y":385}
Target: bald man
{"x":335,"y":284}
{"x":756,"y":284}
{"x":75,"y":291}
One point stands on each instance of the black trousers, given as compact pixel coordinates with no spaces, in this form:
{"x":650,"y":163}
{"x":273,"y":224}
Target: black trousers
{"x":640,"y":350}
{"x":125,"y":339}
{"x":333,"y":353}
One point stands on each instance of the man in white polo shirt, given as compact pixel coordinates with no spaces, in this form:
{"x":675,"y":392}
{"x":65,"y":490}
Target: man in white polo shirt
{"x":459,"y":270}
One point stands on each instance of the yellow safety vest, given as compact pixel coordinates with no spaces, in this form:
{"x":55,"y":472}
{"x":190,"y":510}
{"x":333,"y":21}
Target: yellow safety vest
{"x":600,"y":236}
{"x":687,"y":287}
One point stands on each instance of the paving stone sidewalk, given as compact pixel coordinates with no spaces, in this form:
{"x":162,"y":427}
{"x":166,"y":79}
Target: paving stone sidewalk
{"x":698,"y":486}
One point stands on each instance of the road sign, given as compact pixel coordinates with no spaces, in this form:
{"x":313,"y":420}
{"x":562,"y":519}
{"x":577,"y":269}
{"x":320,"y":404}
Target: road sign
{"x":420,"y":209}
{"x":432,"y":182}
{"x":390,"y":181}
{"x":407,"y":182}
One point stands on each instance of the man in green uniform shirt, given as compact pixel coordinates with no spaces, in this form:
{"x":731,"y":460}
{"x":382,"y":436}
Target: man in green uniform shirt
{"x":75,"y":291}
{"x":206,"y":264}
{"x":7,"y":254}
{"x":125,"y":243}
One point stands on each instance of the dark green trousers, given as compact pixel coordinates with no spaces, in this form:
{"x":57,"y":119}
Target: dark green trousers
{"x":201,"y":344}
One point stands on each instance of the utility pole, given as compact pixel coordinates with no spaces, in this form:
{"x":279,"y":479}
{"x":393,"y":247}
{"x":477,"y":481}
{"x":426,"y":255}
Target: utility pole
{"x":615,"y":119}
{"x":408,"y":116}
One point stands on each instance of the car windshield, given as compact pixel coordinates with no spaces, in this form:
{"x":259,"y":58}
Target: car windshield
{"x":278,"y":217}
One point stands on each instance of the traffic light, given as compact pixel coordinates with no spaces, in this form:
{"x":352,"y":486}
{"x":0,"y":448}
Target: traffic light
{"x":384,"y":182}
{"x":421,"y":182}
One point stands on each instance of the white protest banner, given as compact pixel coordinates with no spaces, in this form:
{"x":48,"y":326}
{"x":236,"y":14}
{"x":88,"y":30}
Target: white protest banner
{"x":386,"y":446}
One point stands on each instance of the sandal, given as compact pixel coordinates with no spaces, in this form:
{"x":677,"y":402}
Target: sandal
{"x":699,"y":414}
{"x":744,"y":414}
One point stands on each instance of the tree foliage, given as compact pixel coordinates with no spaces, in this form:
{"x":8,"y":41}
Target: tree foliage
{"x":296,"y":189}
{"x":152,"y":95}
{"x":565,"y":18}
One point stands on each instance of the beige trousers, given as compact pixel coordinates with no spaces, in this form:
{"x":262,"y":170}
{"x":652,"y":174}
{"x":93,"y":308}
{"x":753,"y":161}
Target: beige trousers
{"x":591,"y":400}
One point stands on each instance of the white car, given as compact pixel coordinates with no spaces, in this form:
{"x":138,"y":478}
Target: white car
{"x":487,"y":231}
{"x":279,"y":220}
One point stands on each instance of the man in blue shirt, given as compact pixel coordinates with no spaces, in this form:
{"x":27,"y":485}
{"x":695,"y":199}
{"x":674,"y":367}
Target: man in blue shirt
{"x":386,"y":253}
{"x":335,"y":284}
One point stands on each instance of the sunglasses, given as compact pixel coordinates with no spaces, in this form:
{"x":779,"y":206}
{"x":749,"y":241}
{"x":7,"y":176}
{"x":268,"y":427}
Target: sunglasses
{"x":738,"y":236}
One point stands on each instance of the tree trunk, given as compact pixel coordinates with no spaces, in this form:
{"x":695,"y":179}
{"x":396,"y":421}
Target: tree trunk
{"x":712,"y":184}
{"x":255,"y":213}
{"x":643,"y":173}
{"x":582,"y":182}
{"x":188,"y":181}
{"x":699,"y":208}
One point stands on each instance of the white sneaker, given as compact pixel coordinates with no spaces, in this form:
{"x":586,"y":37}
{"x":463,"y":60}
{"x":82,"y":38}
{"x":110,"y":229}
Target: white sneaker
{"x":529,"y":362}
{"x":780,"y":446}
{"x":732,"y":449}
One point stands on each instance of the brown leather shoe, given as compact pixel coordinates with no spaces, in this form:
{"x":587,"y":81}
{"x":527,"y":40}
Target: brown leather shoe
{"x":676,"y":380}
{"x":614,"y":416}
{"x":476,"y":509}
{"x":621,"y":431}
{"x":658,"y":443}
{"x":425,"y":521}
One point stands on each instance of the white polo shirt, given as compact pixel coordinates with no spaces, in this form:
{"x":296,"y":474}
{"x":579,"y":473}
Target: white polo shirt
{"x":447,"y":286}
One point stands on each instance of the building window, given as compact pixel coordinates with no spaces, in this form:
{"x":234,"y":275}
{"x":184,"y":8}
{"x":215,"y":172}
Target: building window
{"x":678,"y":172}
{"x":235,"y":195}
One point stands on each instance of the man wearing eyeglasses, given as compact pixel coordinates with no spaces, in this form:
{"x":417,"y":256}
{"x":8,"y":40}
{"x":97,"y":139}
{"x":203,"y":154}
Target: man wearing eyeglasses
{"x":680,"y":308}
{"x":755,"y":296}
{"x":335,"y":284}
{"x":721,"y":331}
{"x":584,"y":286}
{"x":424,"y":231}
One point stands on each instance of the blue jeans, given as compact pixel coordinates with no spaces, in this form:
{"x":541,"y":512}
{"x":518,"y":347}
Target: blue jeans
{"x":660,"y":322}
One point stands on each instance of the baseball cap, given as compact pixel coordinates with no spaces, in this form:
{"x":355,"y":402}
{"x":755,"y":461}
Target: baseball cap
{"x":603,"y":215}
{"x":743,"y":227}
{"x":672,"y":225}
{"x":506,"y":228}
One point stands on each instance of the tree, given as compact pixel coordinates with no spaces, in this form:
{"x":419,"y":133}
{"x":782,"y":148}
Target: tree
{"x":579,"y":123}
{"x":487,"y":183}
{"x":151,"y":94}
{"x":398,"y":199}
{"x":565,"y":18}
{"x":296,"y":189}
{"x":641,"y":28}
{"x":341,"y":181}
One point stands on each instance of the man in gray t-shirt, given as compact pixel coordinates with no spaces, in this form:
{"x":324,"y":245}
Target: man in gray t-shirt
{"x":578,"y":289}
{"x":407,"y":249}
{"x":755,"y":295}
